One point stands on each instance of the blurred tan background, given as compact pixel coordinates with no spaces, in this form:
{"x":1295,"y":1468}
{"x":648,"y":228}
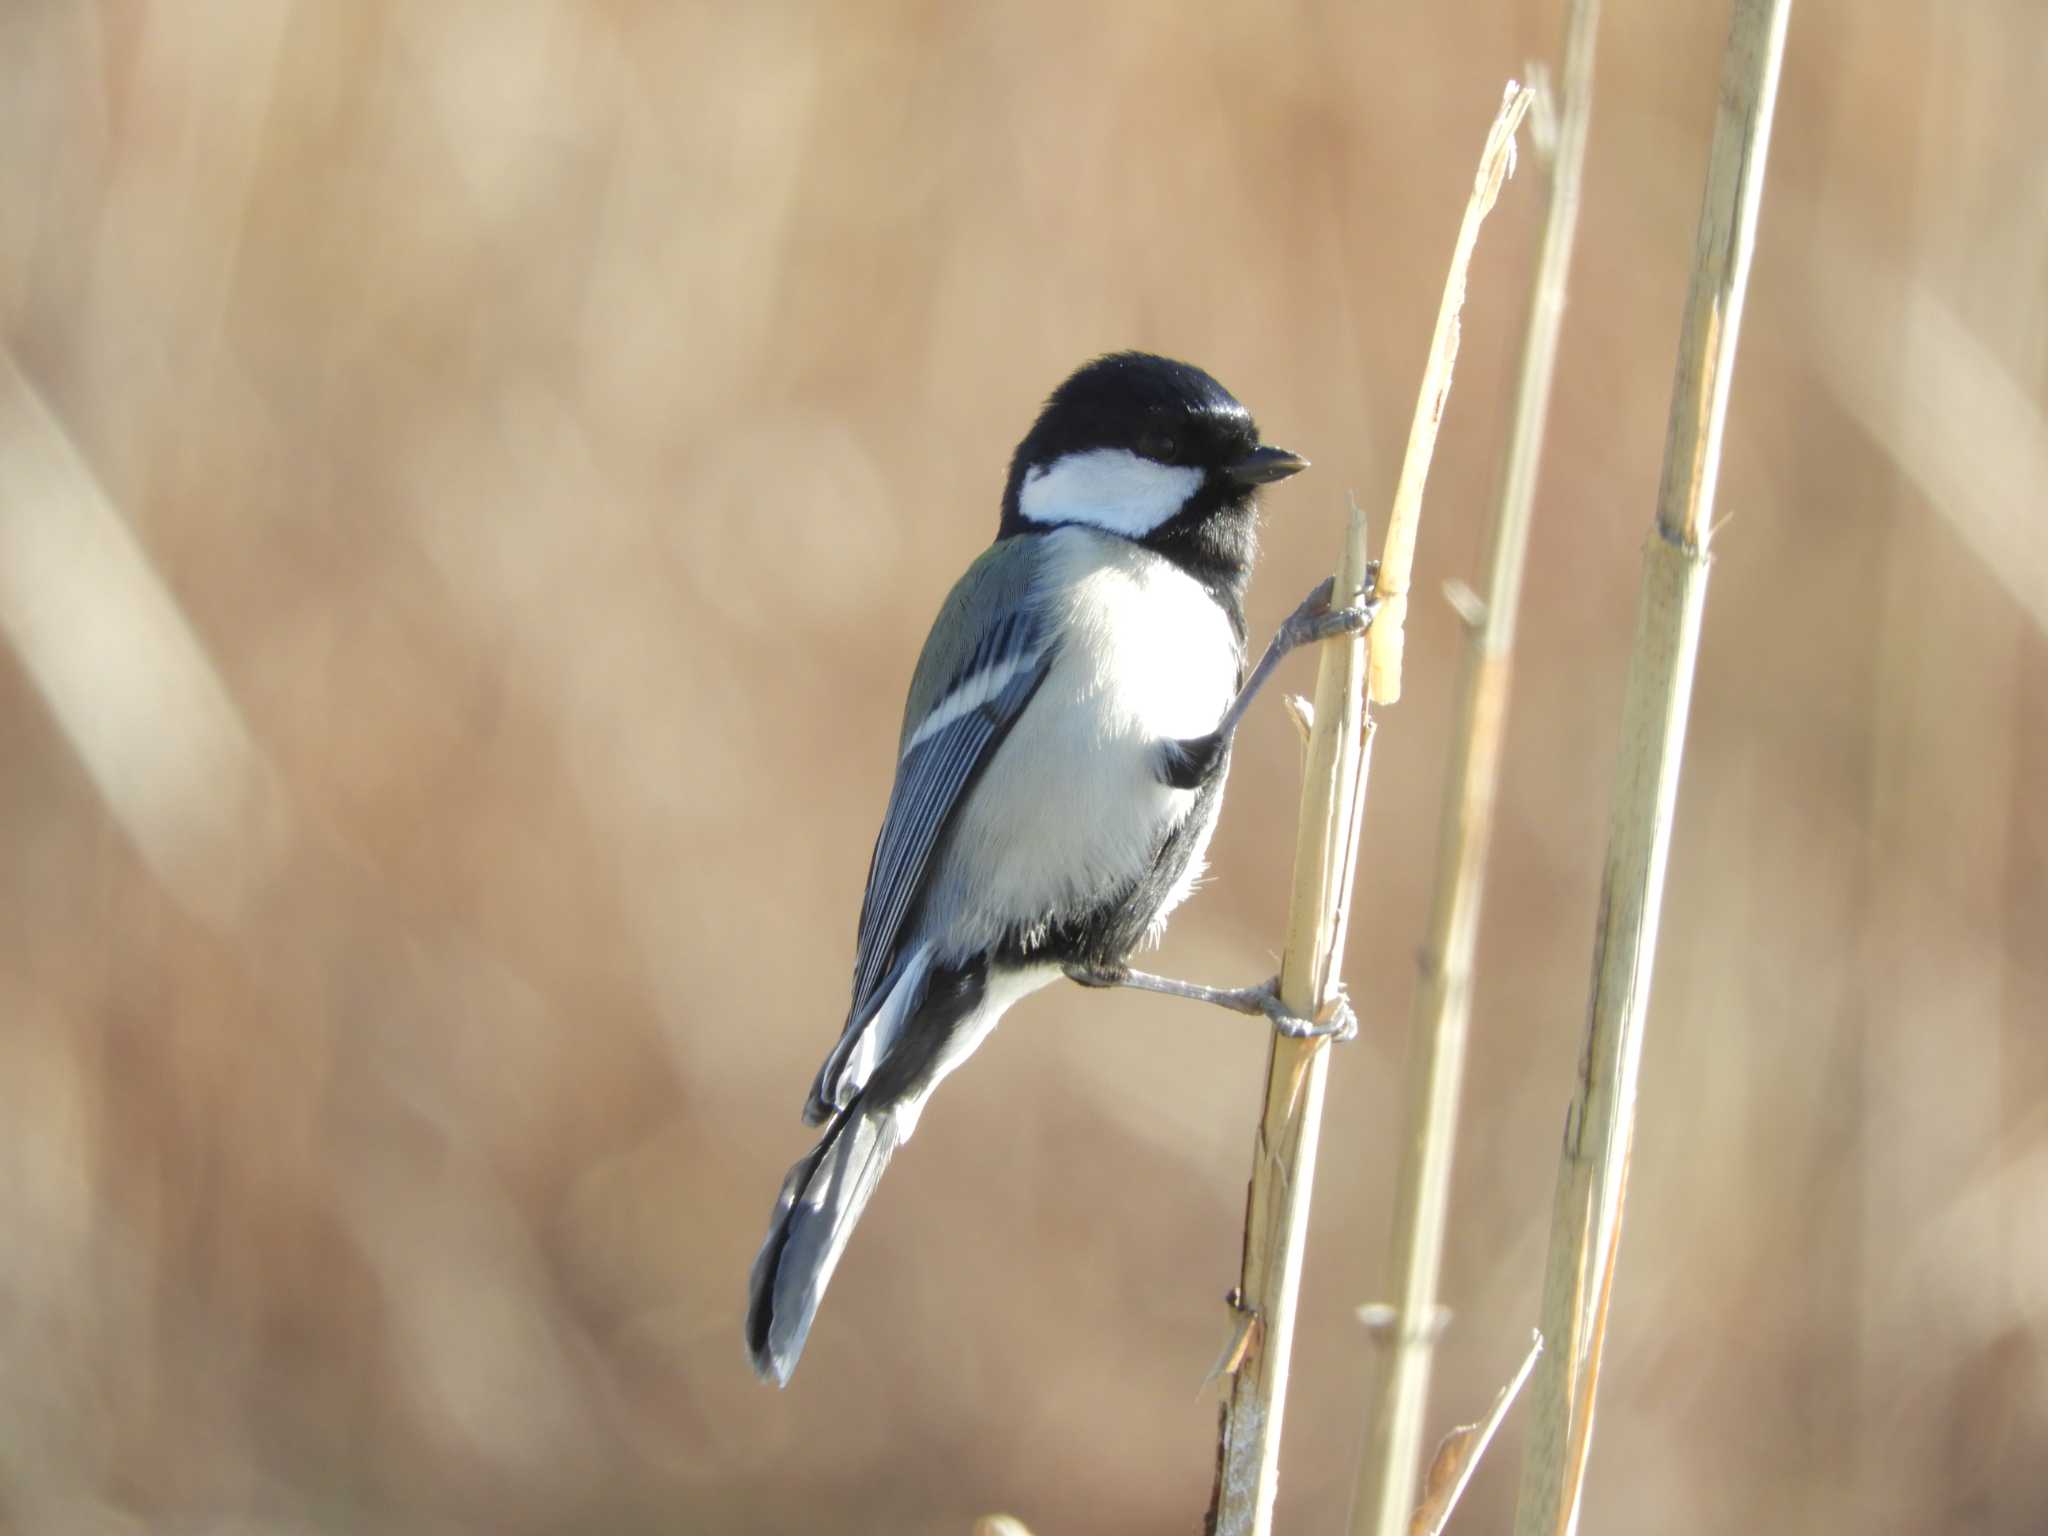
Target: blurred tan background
{"x":473,"y":479}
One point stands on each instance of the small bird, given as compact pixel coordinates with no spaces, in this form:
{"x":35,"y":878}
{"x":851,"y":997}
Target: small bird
{"x":1058,"y":775}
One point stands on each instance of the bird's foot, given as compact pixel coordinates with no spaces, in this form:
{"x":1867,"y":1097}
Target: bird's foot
{"x":1316,"y":620}
{"x":1338,"y":1023}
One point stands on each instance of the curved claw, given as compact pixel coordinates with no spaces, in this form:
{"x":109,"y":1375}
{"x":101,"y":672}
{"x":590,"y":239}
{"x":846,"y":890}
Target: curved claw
{"x":1334,"y":622}
{"x":1339,"y":1025}
{"x":1316,"y":620}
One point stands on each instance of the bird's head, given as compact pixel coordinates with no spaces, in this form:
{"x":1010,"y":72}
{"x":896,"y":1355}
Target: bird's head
{"x":1151,"y":450}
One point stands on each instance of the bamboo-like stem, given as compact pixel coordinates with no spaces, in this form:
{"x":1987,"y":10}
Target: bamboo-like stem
{"x":1283,"y":1158}
{"x":1393,"y":1450}
{"x":1600,"y":1124}
{"x":1326,"y":847}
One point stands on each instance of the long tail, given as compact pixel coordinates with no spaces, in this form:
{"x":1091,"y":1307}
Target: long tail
{"x":821,"y":1200}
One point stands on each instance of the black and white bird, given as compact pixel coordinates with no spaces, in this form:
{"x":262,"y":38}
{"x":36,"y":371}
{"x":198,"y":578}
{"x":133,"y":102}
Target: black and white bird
{"x":1058,"y":775}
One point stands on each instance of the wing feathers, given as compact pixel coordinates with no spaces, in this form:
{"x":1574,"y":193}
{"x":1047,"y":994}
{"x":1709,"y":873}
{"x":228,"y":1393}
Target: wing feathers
{"x":859,"y":1051}
{"x":964,"y":724}
{"x":983,"y":700}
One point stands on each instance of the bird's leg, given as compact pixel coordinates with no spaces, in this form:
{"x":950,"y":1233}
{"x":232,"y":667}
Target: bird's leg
{"x":1313,"y":621}
{"x":1262,"y":1000}
{"x":1186,"y":764}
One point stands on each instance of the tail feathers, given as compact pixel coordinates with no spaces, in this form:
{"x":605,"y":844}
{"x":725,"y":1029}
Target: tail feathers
{"x":932,"y":1022}
{"x":821,"y":1200}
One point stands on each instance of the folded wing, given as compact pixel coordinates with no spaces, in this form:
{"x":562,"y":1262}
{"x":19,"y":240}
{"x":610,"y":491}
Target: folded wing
{"x":971,"y":686}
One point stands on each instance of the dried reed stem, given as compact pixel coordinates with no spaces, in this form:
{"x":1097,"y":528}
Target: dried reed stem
{"x":1600,"y":1125}
{"x":1326,"y":845}
{"x":1397,"y":560}
{"x":1284,"y":1152}
{"x":1393,"y":1450}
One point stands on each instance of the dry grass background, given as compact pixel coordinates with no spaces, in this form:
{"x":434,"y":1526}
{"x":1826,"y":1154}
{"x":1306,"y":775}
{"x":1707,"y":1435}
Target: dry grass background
{"x":555,"y":426}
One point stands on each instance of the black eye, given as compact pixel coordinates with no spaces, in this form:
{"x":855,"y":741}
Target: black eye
{"x":1160,"y":443}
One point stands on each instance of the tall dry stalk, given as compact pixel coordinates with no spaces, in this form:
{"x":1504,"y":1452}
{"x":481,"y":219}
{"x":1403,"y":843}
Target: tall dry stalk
{"x":1326,"y":846}
{"x":1392,"y":1456}
{"x":1600,"y":1126}
{"x":1284,"y":1151}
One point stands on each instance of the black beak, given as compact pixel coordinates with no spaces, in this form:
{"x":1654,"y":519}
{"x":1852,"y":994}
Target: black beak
{"x":1263,"y":465}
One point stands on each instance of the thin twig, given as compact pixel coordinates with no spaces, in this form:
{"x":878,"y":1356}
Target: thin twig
{"x":1332,"y":801}
{"x":1442,"y":1006}
{"x":1397,"y":561}
{"x":1600,"y":1125}
{"x":1457,"y":1457}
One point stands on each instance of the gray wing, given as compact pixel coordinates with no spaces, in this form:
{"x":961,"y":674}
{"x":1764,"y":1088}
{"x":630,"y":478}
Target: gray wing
{"x":971,"y":685}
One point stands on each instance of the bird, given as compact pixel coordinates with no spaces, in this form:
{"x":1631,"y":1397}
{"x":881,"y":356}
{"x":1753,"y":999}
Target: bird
{"x":1059,"y":772}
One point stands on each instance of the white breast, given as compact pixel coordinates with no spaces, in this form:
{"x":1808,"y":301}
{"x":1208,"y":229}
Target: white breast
{"x":1072,"y":807}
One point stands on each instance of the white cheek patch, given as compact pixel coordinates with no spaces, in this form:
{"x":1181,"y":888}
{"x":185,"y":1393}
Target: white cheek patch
{"x":1107,"y":488}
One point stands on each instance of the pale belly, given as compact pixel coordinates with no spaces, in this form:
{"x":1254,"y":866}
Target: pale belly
{"x":1071,"y":810}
